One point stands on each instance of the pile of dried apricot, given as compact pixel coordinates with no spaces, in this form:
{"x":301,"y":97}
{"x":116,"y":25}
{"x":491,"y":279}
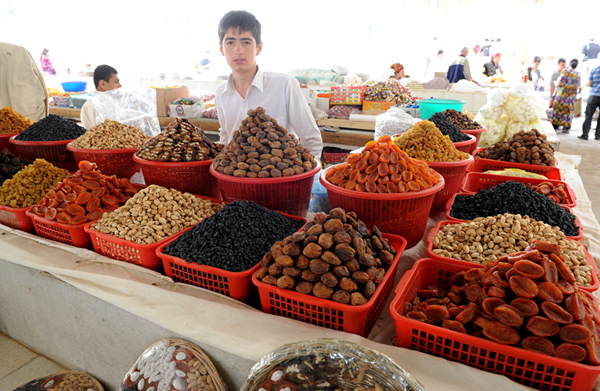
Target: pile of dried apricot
{"x":381,"y":167}
{"x":557,"y":193}
{"x":528,"y":298}
{"x":85,"y":196}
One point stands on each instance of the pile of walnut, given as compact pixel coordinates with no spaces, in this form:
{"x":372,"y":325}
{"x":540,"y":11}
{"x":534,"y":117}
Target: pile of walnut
{"x":335,"y":257}
{"x":263,"y":149}
{"x":180,"y":141}
{"x":527,"y":147}
{"x":528,"y":298}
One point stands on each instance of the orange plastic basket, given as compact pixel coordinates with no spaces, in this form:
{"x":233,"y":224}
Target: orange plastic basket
{"x":327,"y":313}
{"x":474,"y":132}
{"x":475,"y":181}
{"x":403,"y":214}
{"x":467,"y":146}
{"x":579,"y":235}
{"x":16,"y":218}
{"x":117,"y":162}
{"x":237,"y":285}
{"x":454,"y":175}
{"x":4,"y":142}
{"x":128,"y":251}
{"x":525,"y":367}
{"x":290,"y":194}
{"x":54,"y":152}
{"x":595,"y":284}
{"x":187,"y":177}
{"x":73,"y":235}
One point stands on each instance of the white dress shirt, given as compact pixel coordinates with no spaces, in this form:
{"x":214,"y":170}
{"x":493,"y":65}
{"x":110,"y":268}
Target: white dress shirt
{"x":88,"y":113}
{"x":280,"y":95}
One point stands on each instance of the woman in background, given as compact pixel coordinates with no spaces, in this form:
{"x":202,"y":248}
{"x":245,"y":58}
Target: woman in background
{"x":46,"y":64}
{"x":569,"y":84}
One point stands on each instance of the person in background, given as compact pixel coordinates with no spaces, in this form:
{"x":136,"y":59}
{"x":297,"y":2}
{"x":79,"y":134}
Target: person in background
{"x":105,"y":79}
{"x":205,"y":64}
{"x":593,"y":102}
{"x":493,"y":67}
{"x":459,"y":69}
{"x":589,"y":56}
{"x":562,"y":64}
{"x":485,"y":49}
{"x":398,"y":71}
{"x":22,"y":84}
{"x":569,"y":84}
{"x":437,"y":65}
{"x":46,"y":63}
{"x":533,"y":72}
{"x":249,"y":87}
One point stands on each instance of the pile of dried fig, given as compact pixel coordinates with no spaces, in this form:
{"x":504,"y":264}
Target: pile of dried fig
{"x":335,"y":257}
{"x":261,"y":148}
{"x":527,"y":147}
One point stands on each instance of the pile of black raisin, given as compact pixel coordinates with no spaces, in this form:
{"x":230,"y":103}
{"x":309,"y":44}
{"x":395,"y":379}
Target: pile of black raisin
{"x":52,"y":128}
{"x":514,"y":198}
{"x":235,"y":238}
{"x":10,"y":165}
{"x":448,"y":128}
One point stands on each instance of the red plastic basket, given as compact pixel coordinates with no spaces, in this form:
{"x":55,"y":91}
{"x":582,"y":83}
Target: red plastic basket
{"x":73,"y":235}
{"x":16,"y":218}
{"x":578,"y":223}
{"x":54,"y":152}
{"x":237,"y":285}
{"x":595,"y":284}
{"x":467,"y":146}
{"x":128,"y":251}
{"x":476,"y":181}
{"x":290,"y":194}
{"x":528,"y":368}
{"x":327,"y":313}
{"x":4,"y":142}
{"x":117,"y":162}
{"x":403,"y":214}
{"x":187,"y":177}
{"x":474,"y":132}
{"x":454,"y":175}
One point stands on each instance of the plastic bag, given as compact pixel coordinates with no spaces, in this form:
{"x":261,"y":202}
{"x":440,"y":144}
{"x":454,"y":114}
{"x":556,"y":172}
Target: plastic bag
{"x":135,"y":108}
{"x":497,"y":97}
{"x":394,"y":121}
{"x":495,"y":129}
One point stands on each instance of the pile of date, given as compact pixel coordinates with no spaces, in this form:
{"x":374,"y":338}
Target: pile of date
{"x":527,"y":299}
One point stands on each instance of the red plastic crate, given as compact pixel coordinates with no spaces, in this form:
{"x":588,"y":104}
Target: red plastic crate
{"x":468,"y":145}
{"x":477,"y":133}
{"x":595,"y":284}
{"x":528,"y":368}
{"x":128,"y":251}
{"x":454,"y":175}
{"x":4,"y":142}
{"x":483,"y":165}
{"x":187,"y":177}
{"x":578,"y":223}
{"x":73,"y":235}
{"x":476,"y":181}
{"x":327,"y":313}
{"x":54,"y":152}
{"x":237,"y":285}
{"x":403,"y":214}
{"x":16,"y":218}
{"x":289,"y":194}
{"x":117,"y":162}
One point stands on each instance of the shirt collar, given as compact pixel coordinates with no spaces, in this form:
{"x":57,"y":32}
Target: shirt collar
{"x":258,"y":82}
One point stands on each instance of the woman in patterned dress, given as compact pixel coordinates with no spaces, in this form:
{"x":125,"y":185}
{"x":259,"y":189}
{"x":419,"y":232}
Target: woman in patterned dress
{"x":569,"y":84}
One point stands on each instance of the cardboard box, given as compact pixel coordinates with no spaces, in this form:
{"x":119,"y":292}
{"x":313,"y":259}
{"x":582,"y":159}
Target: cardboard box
{"x":194,"y":110}
{"x":164,"y":96}
{"x":577,"y":111}
{"x":375,"y":107}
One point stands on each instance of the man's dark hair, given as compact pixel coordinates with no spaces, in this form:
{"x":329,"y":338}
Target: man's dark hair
{"x":561,"y":60}
{"x":103,"y":72}
{"x":239,"y":21}
{"x":537,"y":59}
{"x":574,"y":62}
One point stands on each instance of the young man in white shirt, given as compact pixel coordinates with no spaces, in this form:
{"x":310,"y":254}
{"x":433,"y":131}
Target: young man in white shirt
{"x":105,"y":79}
{"x":249,"y":87}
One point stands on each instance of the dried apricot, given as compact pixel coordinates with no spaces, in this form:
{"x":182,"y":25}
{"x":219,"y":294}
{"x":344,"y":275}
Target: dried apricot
{"x":50,"y":214}
{"x":63,"y":217}
{"x":91,"y":175}
{"x":501,"y":333}
{"x":353,"y":158}
{"x":93,"y":203}
{"x":71,"y":197}
{"x":556,"y":312}
{"x":90,"y":184}
{"x":575,"y":333}
{"x":79,"y":219}
{"x":99,"y":192}
{"x":538,"y":344}
{"x":371,"y":187}
{"x":95,"y":214}
{"x":75,"y":210}
{"x":523,"y":286}
{"x":83,"y":198}
{"x":542,"y":327}
{"x":568,"y":351}
{"x":529,"y":269}
{"x":84,"y":166}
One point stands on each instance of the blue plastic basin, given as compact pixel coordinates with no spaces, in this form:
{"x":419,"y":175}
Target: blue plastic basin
{"x":429,"y":107}
{"x":74,"y":86}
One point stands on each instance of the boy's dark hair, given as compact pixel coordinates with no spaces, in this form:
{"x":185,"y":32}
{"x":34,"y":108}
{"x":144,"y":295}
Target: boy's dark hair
{"x":239,"y":21}
{"x":561,"y":60}
{"x":103,"y":72}
{"x":574,"y":62}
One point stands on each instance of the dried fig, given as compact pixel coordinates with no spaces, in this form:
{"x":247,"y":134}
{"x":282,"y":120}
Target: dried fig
{"x":322,"y":291}
{"x":352,"y":265}
{"x":369,"y":289}
{"x":285,"y":282}
{"x":360,"y":277}
{"x":304,"y":287}
{"x":338,"y":213}
{"x":326,"y":240}
{"x":331,"y":258}
{"x":341,"y":271}
{"x":262,"y":272}
{"x":348,"y":284}
{"x":341,"y":296}
{"x":319,"y":266}
{"x":275,"y":269}
{"x":302,"y":262}
{"x":309,"y":276}
{"x":344,"y":252}
{"x":329,"y":279}
{"x":312,"y":250}
{"x":270,"y":280}
{"x":342,"y":237}
{"x":267,"y":259}
{"x":333,"y":225}
{"x":357,"y":298}
{"x":316,"y":229}
{"x":291,"y":271}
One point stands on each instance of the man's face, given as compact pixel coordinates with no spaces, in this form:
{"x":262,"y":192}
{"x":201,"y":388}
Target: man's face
{"x":111,"y":84}
{"x":240,"y":50}
{"x":562,"y":66}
